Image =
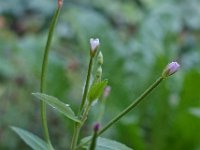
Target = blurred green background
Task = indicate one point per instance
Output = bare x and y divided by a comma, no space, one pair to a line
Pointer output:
138,38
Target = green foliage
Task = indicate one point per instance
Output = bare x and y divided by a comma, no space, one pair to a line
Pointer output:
58,105
30,139
195,111
96,90
137,42
106,144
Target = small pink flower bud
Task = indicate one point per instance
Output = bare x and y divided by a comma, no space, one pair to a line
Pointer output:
60,3
107,91
170,69
94,44
96,127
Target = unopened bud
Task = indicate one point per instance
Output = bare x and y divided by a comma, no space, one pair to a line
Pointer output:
99,73
94,44
60,3
94,137
96,127
100,58
170,69
107,91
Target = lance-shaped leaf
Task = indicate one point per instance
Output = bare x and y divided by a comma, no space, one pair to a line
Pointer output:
105,144
30,139
96,89
58,105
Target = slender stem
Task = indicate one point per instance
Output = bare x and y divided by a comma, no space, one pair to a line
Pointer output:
78,126
86,85
133,105
94,139
85,114
43,76
129,108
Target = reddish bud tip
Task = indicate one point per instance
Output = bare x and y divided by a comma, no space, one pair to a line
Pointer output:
96,127
94,44
60,3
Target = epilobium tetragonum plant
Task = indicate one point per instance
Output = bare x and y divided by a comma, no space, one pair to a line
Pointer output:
94,90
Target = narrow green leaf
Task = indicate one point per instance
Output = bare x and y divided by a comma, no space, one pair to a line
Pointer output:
58,105
106,144
30,139
96,89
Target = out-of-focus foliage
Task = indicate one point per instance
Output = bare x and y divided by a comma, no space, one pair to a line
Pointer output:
138,38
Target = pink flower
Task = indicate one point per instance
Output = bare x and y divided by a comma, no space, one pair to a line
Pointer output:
94,44
170,69
60,3
107,91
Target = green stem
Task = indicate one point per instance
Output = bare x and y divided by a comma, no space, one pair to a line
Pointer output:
78,126
129,108
94,139
85,114
43,76
133,105
86,85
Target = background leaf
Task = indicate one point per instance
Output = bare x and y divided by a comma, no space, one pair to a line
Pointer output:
30,139
107,144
